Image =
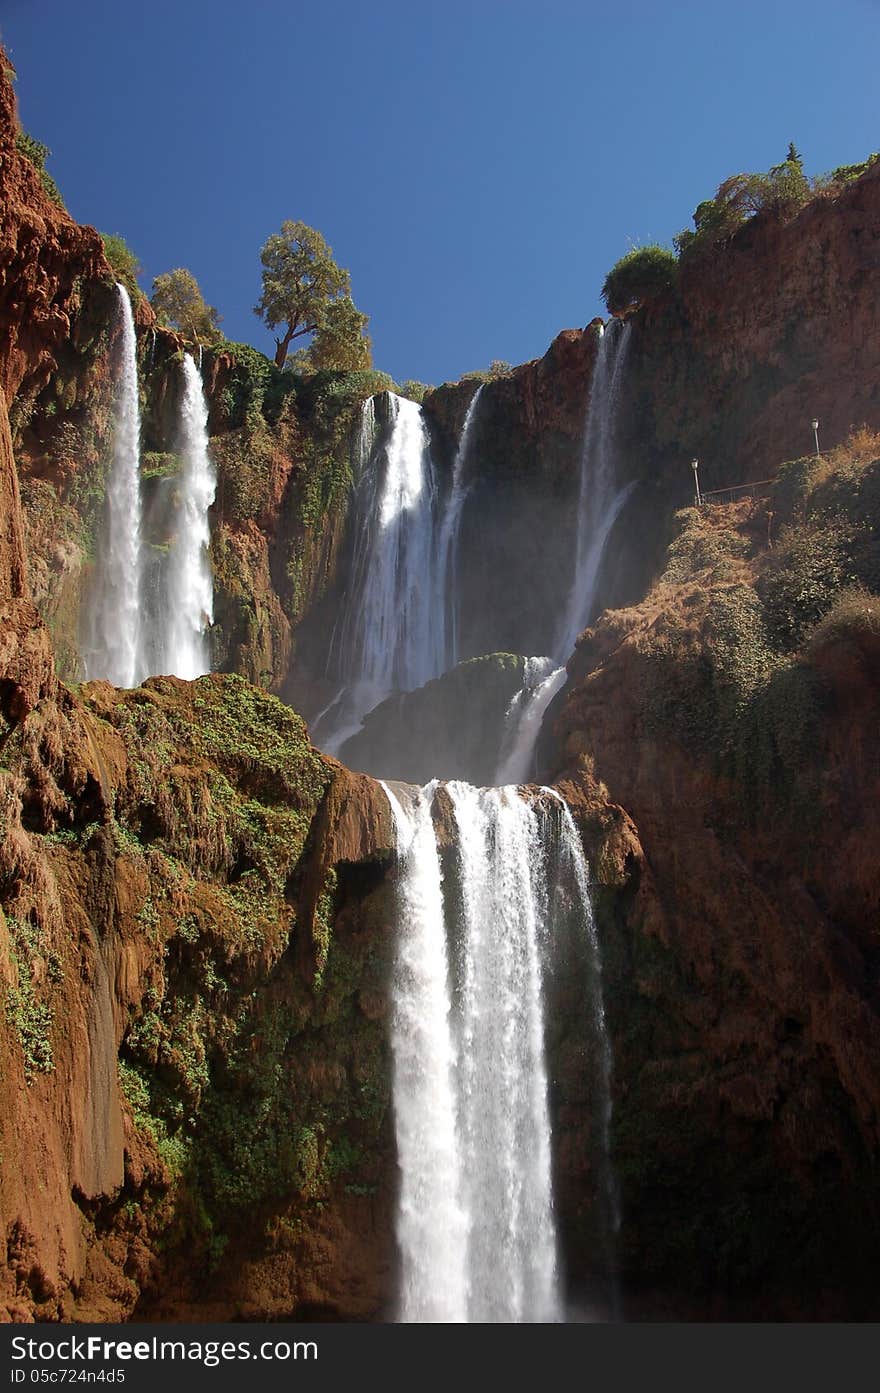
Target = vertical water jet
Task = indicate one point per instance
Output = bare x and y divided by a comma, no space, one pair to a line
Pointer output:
600,498
542,679
113,649
190,589
475,1219
501,1073
575,862
431,1229
447,546
391,633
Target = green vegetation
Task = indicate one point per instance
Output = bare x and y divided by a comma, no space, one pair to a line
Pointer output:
38,153
780,193
496,369
226,1059
731,674
123,263
415,391
846,173
305,292
28,1011
179,303
640,275
854,615
340,342
225,1065
808,570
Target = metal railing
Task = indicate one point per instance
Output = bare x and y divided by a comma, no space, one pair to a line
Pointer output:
733,494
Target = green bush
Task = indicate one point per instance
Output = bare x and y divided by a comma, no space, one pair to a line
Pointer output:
810,567
415,391
123,263
780,193
640,275
38,153
499,367
847,173
246,387
855,614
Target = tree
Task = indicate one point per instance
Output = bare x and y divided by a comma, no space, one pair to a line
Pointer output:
300,283
179,302
641,274
340,341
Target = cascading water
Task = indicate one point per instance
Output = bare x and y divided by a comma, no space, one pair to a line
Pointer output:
190,582
447,547
504,1123
431,1228
391,635
366,438
600,499
542,679
575,863
475,1220
113,650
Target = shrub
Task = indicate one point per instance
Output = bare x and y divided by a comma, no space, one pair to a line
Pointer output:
847,173
780,192
809,569
498,367
415,391
38,153
640,275
855,614
246,388
123,262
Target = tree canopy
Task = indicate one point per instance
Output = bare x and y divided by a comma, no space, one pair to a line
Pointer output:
780,193
305,292
179,303
340,341
641,274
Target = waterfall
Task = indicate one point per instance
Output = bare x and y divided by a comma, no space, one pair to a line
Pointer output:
190,583
575,863
365,438
431,1228
447,547
475,1222
114,647
501,1075
599,500
542,679
391,634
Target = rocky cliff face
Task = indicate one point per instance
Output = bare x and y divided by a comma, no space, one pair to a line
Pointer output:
719,744
195,927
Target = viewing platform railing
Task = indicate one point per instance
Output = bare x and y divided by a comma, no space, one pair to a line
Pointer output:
733,494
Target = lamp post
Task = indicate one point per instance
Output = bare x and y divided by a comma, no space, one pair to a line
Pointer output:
698,498
815,424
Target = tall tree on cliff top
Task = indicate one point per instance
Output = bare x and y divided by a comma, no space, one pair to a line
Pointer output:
302,285
179,302
341,342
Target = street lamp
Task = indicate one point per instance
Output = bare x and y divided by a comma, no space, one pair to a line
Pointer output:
695,466
815,424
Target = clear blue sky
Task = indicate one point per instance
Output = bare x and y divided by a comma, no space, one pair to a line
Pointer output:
477,166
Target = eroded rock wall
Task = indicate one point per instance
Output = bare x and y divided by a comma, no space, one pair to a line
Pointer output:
726,779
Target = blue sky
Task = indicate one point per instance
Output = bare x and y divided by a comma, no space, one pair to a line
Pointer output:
476,166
